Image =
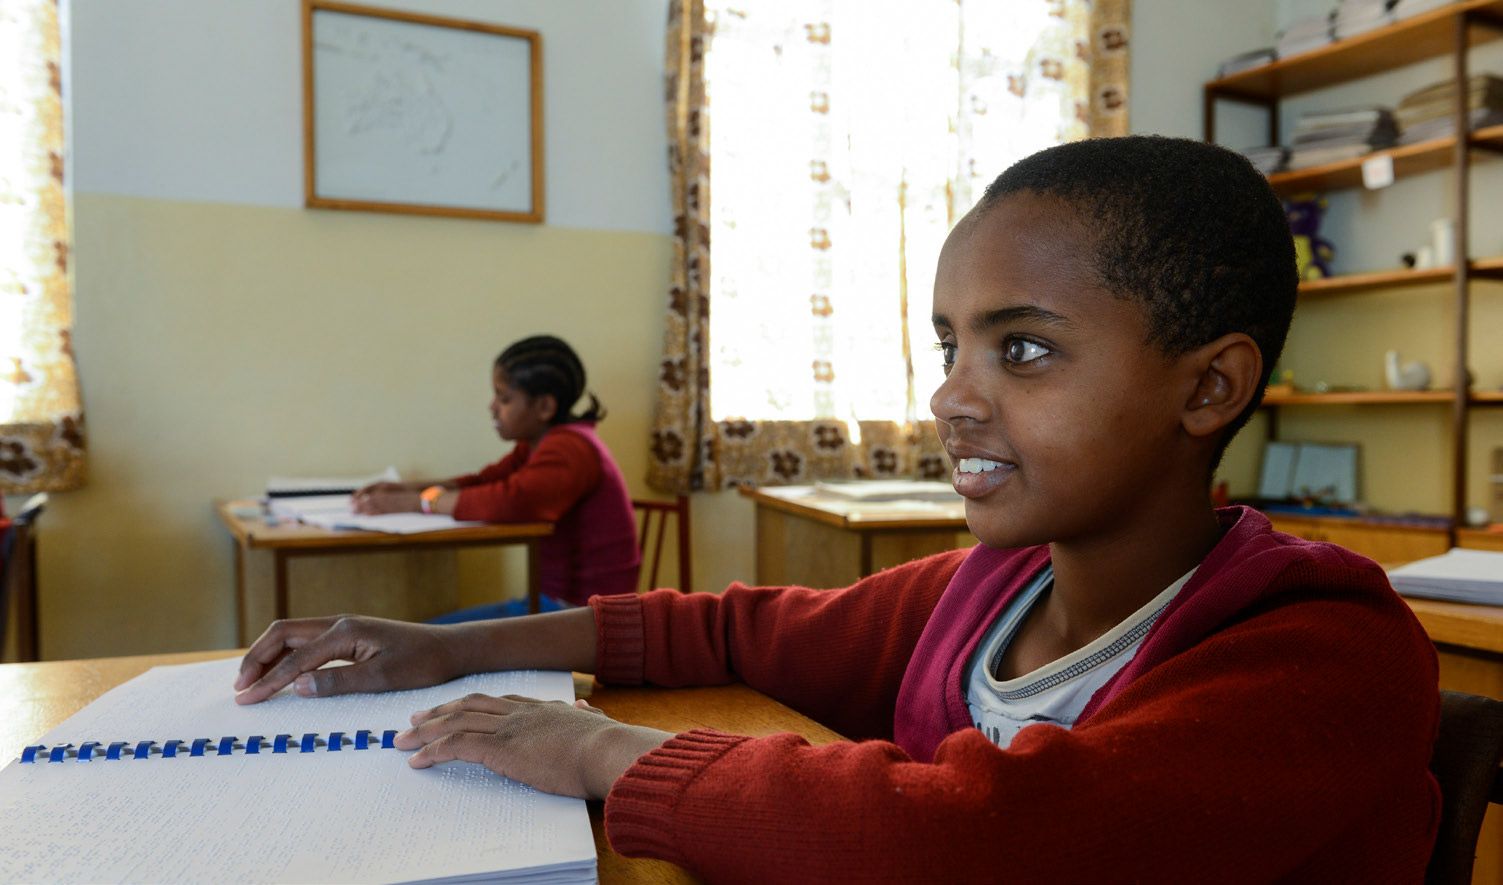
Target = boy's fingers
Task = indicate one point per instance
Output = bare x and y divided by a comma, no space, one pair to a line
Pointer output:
278,639
463,746
440,727
304,657
483,703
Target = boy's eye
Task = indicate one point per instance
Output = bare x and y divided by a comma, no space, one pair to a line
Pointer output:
1021,350
946,352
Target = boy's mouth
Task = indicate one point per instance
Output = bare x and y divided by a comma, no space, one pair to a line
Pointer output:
978,477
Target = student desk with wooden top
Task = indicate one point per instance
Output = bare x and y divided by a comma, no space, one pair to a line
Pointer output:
35,698
288,539
815,539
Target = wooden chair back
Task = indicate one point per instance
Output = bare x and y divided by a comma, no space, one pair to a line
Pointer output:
653,519
18,579
1465,761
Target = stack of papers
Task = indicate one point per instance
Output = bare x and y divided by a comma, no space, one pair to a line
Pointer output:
291,487
890,490
1406,8
1431,112
1323,137
337,512
1267,159
304,815
1245,61
1305,34
1355,17
1459,575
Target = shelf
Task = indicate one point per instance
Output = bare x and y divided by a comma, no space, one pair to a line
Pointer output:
1360,398
1427,35
1408,160
1393,279
1382,398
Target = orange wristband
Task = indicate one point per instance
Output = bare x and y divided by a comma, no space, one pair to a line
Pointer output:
429,497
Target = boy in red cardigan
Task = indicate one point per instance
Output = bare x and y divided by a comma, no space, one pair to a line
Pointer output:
1263,707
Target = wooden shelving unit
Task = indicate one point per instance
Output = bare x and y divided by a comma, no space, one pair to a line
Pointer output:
1448,31
1486,268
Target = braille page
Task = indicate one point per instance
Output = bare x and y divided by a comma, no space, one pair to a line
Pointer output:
297,817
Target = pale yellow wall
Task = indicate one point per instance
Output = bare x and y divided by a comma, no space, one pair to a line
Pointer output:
1405,455
221,344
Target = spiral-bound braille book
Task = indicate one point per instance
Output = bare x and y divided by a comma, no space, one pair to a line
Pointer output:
167,779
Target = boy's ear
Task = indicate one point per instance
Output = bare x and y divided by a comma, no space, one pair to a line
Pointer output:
1229,370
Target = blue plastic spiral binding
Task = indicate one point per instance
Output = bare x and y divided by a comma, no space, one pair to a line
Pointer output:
256,744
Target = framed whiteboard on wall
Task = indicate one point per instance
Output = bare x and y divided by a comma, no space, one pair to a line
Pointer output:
411,113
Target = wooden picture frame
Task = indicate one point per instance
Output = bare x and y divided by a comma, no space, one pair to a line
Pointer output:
421,115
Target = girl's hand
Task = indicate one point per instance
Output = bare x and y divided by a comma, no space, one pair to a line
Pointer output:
375,501
386,654
550,745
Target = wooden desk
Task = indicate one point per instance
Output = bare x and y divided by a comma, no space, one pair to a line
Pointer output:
37,697
288,539
815,539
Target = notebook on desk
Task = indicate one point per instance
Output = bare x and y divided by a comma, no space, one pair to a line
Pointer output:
336,512
1459,575
166,779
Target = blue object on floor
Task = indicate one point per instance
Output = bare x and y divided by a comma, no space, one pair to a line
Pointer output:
512,608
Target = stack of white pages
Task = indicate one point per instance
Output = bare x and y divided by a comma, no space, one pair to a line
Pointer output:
890,490
337,512
166,779
1458,576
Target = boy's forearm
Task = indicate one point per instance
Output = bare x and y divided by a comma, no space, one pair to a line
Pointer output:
555,641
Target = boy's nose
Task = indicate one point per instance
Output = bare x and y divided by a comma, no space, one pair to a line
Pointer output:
956,398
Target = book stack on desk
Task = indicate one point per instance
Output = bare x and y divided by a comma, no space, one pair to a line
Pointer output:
1474,576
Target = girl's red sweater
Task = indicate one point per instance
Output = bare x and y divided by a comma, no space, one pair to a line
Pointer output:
1279,727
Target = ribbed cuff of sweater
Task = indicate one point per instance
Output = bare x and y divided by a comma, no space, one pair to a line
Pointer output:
620,644
640,807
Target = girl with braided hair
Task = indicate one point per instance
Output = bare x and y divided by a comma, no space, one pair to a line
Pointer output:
559,472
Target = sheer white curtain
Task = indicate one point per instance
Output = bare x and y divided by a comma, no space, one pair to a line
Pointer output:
847,138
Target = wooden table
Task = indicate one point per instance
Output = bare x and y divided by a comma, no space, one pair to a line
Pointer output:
815,539
287,539
35,698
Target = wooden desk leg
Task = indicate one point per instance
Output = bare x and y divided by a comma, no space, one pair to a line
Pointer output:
534,581
866,554
240,616
27,645
281,599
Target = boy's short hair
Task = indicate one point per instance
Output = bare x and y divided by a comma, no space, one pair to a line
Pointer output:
1190,230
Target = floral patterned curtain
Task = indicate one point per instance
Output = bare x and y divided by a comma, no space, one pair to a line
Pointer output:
41,420
849,136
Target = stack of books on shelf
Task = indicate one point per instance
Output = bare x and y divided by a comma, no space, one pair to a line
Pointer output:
1266,159
1355,17
1304,34
1431,112
1407,8
1254,58
1323,137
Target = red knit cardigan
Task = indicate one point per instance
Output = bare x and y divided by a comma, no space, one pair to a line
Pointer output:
1285,735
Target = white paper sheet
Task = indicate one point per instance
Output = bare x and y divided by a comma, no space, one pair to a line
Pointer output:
317,817
335,512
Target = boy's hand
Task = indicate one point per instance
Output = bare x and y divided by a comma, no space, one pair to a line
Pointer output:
550,745
386,655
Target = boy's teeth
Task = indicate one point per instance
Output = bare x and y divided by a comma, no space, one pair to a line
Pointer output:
977,465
